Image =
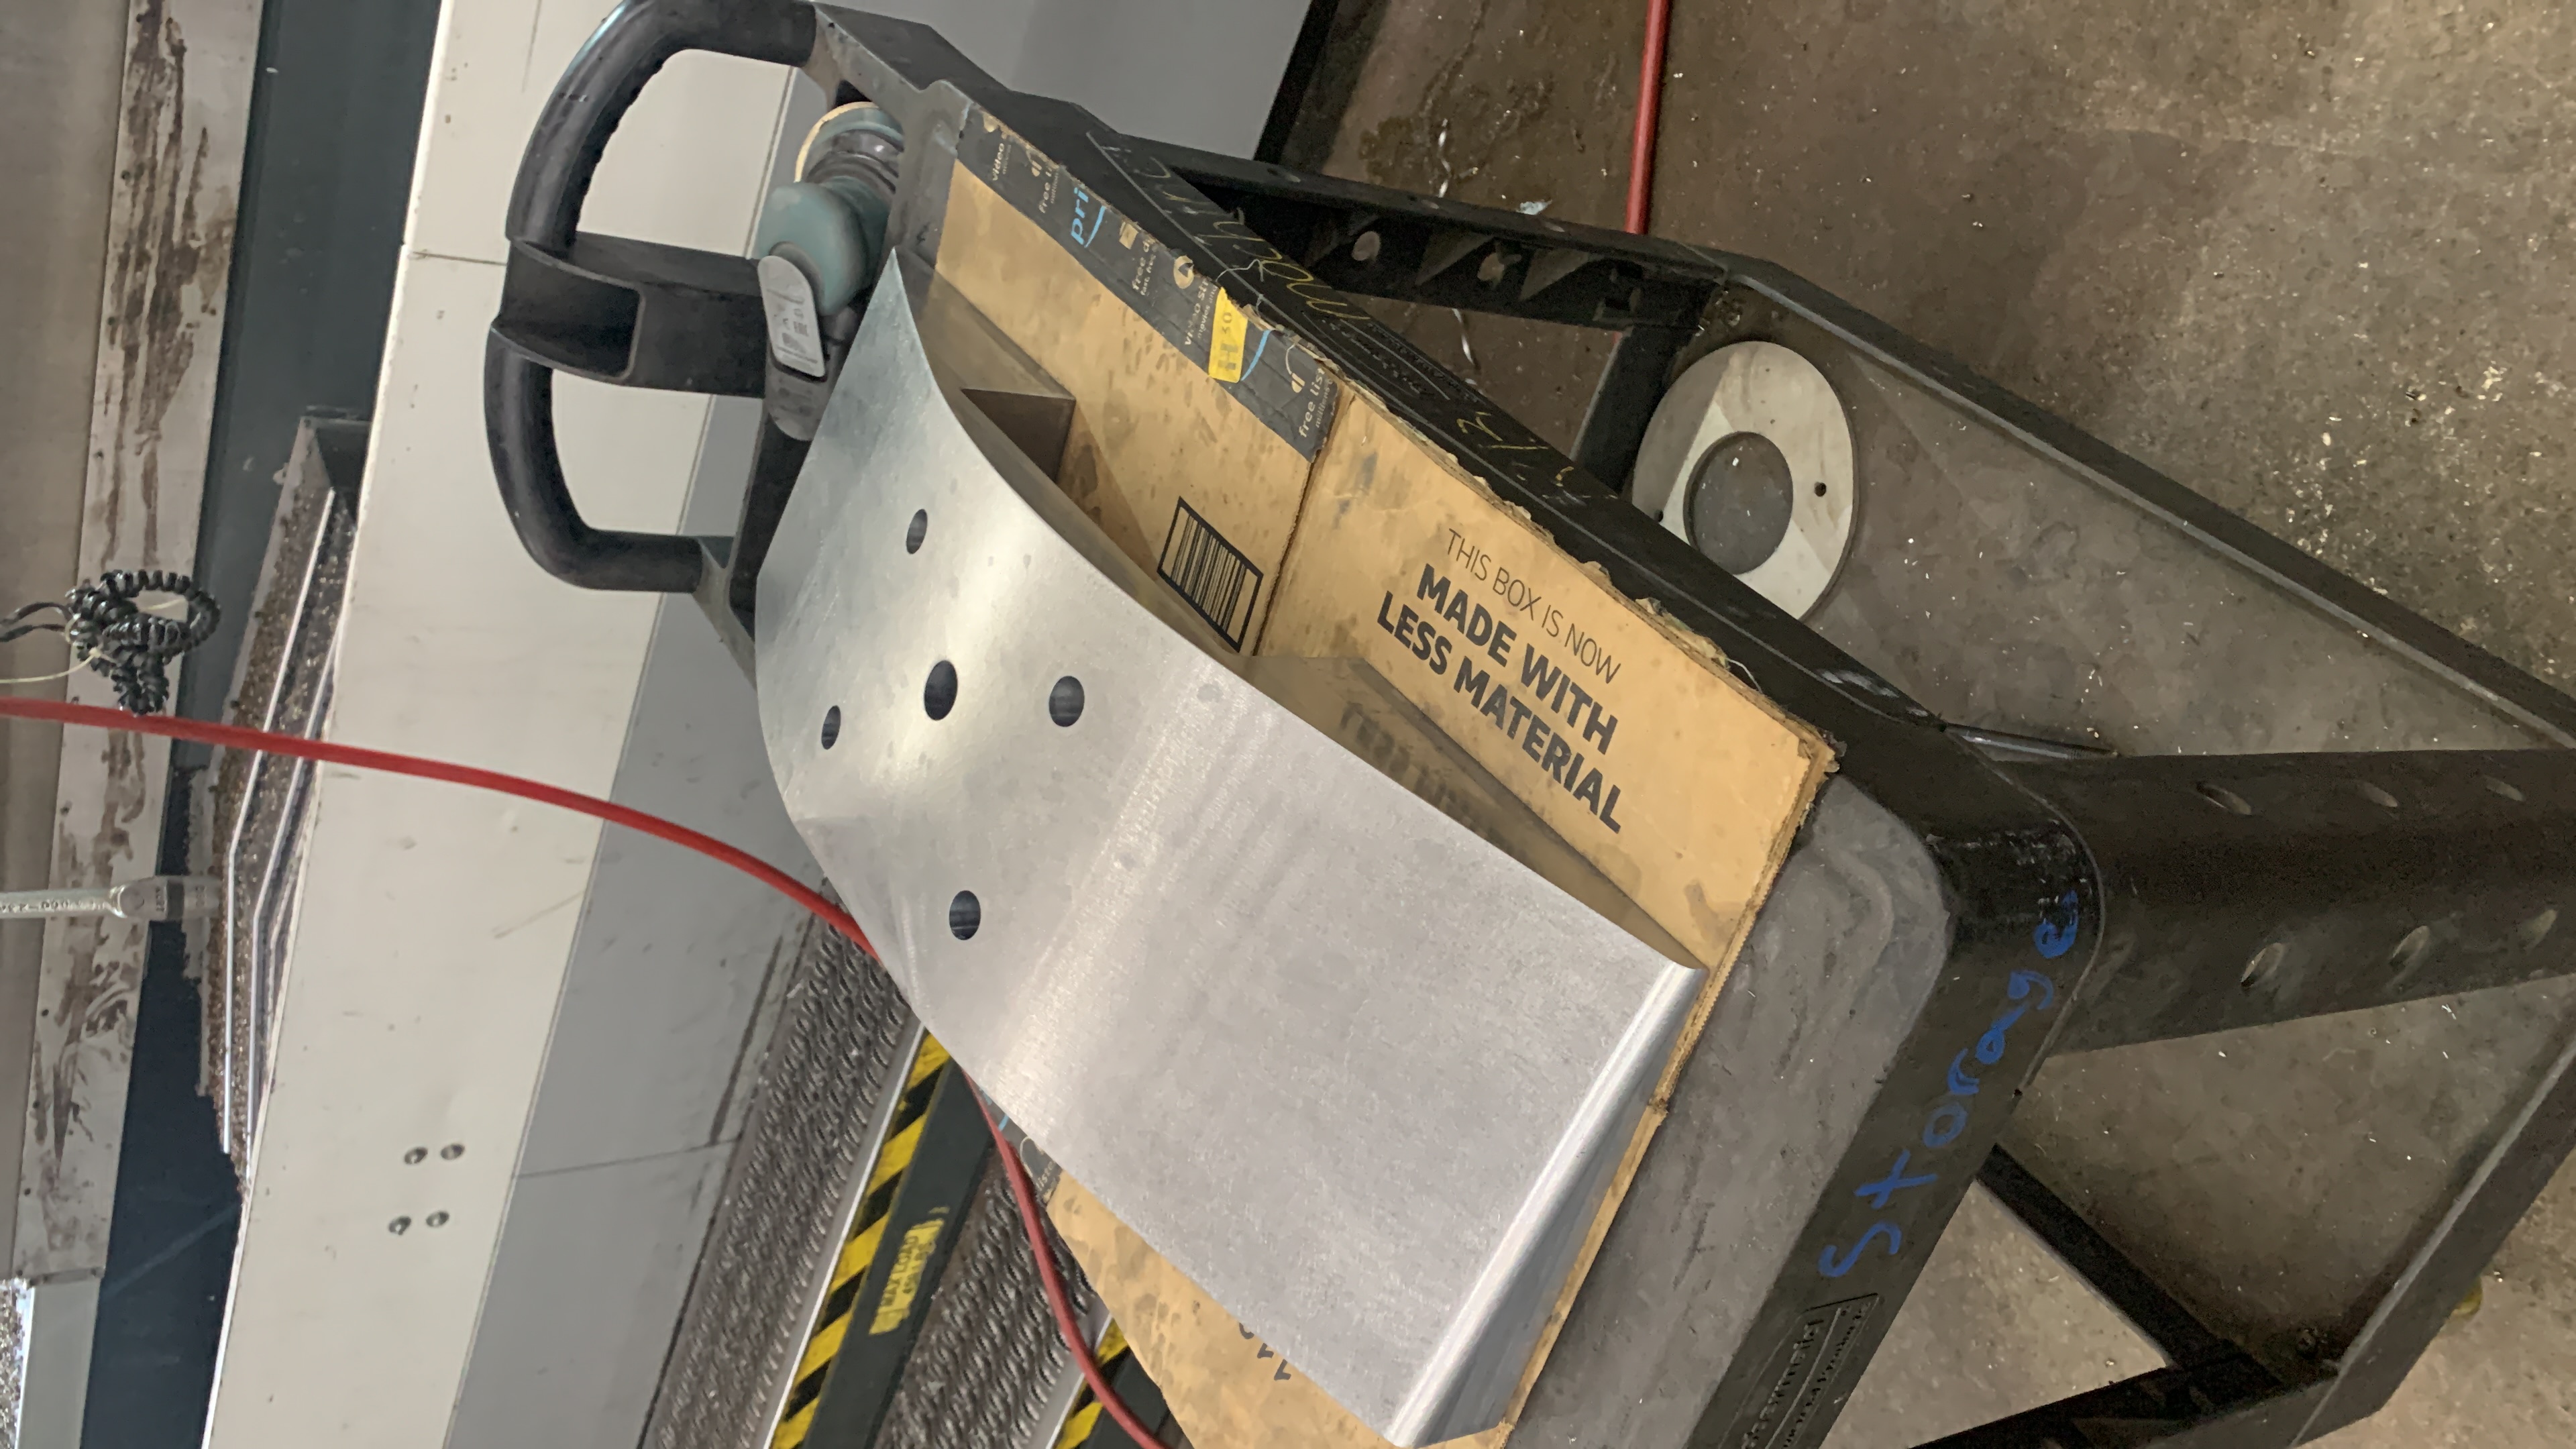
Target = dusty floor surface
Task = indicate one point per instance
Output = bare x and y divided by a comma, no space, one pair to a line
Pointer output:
2315,258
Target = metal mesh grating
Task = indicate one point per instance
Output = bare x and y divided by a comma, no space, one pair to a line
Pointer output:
257,813
780,1213
988,1362
17,1313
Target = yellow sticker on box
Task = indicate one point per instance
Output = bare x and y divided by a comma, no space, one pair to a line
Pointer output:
1225,340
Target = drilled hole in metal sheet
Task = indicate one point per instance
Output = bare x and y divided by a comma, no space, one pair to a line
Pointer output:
451,1152
831,726
436,1220
2410,949
1064,702
939,692
1365,249
2499,787
917,530
1820,490
417,1154
1490,270
2225,799
965,915
2536,930
2375,795
2262,964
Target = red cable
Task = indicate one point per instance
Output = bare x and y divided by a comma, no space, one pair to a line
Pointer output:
237,737
1650,100
1067,1327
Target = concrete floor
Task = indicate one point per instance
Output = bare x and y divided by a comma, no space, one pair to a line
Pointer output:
2315,258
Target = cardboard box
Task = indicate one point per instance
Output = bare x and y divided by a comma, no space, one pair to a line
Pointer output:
1300,517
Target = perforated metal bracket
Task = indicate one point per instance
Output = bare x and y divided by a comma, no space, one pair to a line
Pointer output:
1201,951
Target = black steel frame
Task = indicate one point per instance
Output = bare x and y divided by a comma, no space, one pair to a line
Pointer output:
2093,901
929,1204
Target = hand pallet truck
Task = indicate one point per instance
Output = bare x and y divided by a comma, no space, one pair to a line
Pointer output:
2161,866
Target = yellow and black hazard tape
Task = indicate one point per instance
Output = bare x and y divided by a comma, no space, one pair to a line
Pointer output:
859,1252
1111,1355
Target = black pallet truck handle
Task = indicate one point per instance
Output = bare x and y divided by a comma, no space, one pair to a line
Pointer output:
545,205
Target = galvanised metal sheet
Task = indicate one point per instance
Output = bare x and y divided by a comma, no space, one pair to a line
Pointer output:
1355,1071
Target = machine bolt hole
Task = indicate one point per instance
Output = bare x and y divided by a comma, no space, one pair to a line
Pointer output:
2260,966
416,1155
1064,702
1365,248
2225,799
1820,490
398,1226
1740,500
1490,270
436,1220
831,726
939,693
915,531
451,1152
965,915
2499,787
2375,795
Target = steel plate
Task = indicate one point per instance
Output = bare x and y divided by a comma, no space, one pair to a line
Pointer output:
1357,1072
1766,390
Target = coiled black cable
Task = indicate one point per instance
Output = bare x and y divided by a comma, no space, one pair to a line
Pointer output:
114,637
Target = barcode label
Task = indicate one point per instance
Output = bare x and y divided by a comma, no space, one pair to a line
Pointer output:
1219,582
